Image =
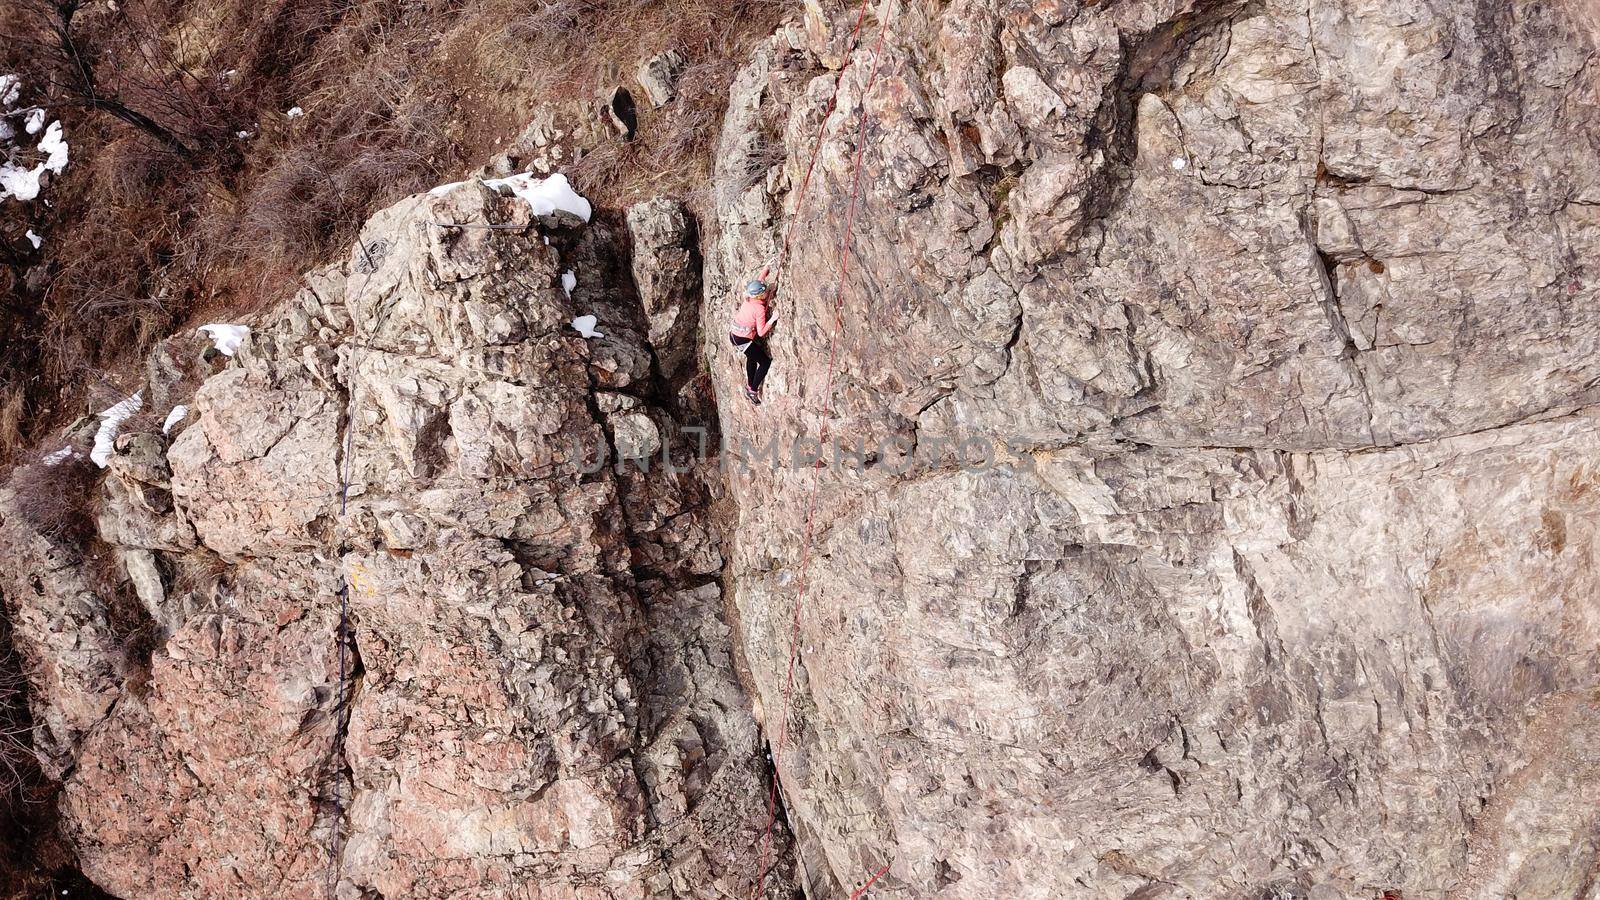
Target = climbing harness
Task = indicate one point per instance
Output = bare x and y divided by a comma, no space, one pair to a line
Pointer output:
827,412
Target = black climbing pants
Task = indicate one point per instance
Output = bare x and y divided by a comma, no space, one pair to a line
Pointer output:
756,359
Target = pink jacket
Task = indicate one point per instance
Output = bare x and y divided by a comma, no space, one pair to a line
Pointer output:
751,319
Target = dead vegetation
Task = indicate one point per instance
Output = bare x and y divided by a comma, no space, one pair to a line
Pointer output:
34,861
18,772
57,500
672,149
196,193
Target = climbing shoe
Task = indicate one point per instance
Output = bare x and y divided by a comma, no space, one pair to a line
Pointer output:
753,394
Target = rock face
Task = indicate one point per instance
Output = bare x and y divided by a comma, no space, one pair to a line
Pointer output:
1191,491
535,696
666,269
1281,322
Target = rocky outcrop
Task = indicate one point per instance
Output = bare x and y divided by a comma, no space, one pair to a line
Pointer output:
666,269
1190,492
417,632
1268,565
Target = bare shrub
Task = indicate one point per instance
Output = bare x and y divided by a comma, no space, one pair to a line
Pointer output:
17,768
150,87
381,140
57,500
19,772
34,860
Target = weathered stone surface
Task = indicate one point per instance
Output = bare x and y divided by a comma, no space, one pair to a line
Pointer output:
666,270
255,473
1245,356
214,781
658,75
138,510
1284,325
63,630
537,680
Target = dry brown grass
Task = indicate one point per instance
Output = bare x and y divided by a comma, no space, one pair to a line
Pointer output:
34,862
13,407
672,149
17,768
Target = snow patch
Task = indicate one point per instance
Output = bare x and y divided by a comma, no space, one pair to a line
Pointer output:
585,326
57,458
568,282
545,196
10,89
35,121
34,239
226,338
56,146
178,414
294,112
1179,162
110,424
24,184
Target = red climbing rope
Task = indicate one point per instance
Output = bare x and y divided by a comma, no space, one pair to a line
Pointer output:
816,146
827,411
860,892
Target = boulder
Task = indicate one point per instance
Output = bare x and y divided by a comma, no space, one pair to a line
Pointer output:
658,75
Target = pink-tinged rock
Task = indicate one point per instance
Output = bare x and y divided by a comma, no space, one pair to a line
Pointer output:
534,708
208,785
1284,585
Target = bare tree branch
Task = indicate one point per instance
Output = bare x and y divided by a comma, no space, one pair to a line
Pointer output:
73,68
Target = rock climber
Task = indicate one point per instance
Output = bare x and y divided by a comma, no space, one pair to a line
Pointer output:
750,327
